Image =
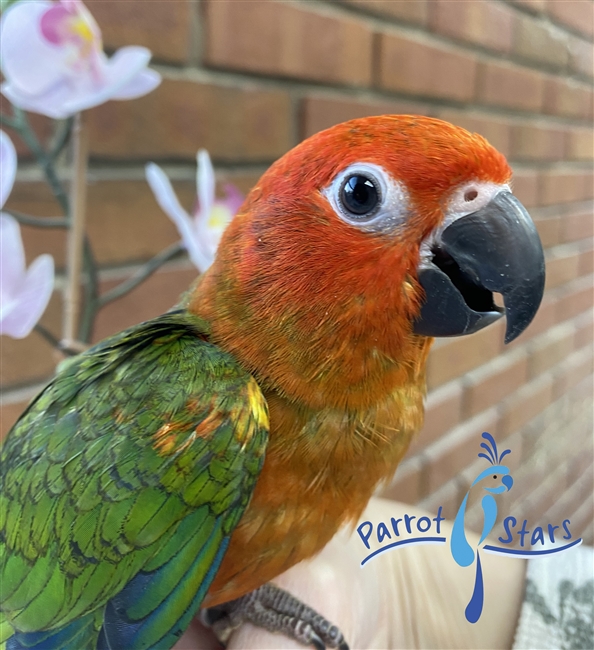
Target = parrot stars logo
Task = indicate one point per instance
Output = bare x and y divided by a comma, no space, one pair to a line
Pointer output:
495,480
462,552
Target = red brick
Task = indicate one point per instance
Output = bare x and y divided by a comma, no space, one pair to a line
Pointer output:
540,42
406,484
584,330
510,86
586,263
442,412
483,23
581,520
413,11
451,358
585,390
537,142
580,144
546,495
563,186
496,131
574,299
155,296
576,14
525,186
581,56
124,221
567,97
32,359
545,318
277,38
533,464
36,199
582,457
551,348
448,496
525,404
572,371
319,113
418,66
237,124
577,226
561,266
589,185
163,27
489,384
549,230
456,451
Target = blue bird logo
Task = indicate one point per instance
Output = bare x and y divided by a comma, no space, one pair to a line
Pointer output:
462,552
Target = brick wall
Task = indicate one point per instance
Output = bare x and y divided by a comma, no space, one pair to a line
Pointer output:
249,79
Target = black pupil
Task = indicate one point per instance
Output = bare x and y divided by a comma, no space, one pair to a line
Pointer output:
359,195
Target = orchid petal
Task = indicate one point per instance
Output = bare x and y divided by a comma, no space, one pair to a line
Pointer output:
30,62
143,83
234,198
53,62
34,295
167,199
23,294
12,256
8,166
51,103
205,182
119,71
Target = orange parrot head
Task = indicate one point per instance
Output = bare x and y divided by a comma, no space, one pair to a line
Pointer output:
368,237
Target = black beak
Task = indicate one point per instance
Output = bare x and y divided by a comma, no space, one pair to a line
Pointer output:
495,249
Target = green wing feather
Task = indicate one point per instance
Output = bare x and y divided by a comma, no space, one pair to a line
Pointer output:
140,456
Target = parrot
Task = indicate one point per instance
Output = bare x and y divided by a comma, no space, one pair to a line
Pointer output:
462,552
176,468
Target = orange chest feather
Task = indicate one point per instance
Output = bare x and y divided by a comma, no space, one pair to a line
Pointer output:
321,468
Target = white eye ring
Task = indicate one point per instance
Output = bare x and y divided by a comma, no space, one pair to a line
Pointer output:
392,199
470,197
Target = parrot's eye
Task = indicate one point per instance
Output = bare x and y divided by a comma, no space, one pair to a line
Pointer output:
359,195
367,197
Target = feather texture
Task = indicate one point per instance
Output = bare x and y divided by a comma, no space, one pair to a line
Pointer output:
121,485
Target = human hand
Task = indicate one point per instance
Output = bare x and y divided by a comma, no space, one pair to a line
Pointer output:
408,597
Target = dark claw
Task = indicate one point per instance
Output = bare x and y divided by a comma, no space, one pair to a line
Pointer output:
316,642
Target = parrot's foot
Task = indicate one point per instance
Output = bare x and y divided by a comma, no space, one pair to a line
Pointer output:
275,610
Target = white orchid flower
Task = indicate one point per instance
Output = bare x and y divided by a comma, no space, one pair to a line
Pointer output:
52,58
201,232
24,293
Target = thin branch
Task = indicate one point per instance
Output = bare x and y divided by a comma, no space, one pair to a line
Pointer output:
76,232
39,222
142,274
8,121
60,346
54,341
91,294
60,138
26,132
